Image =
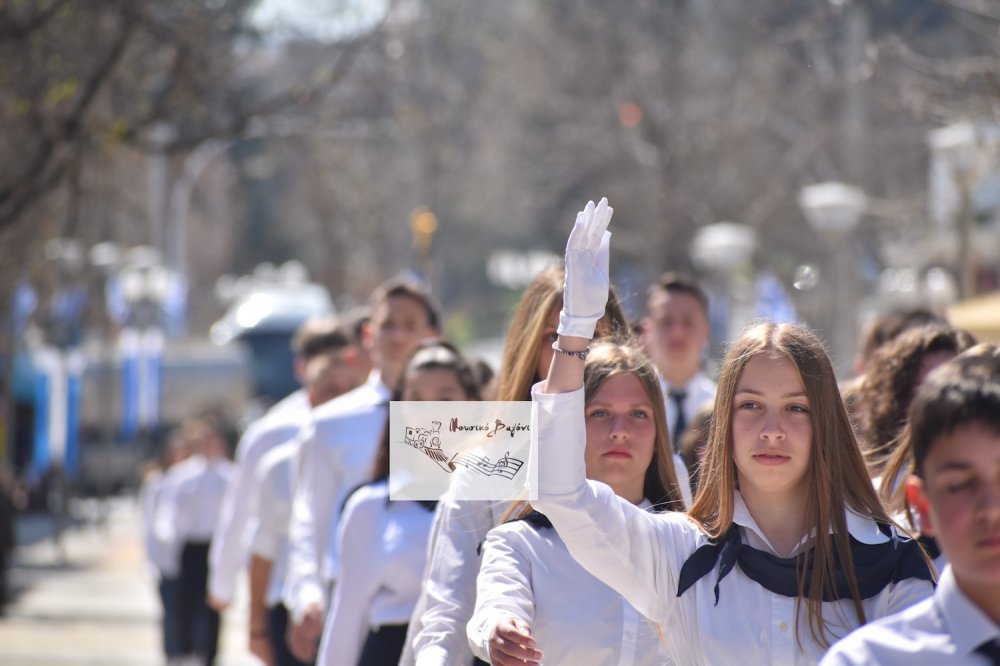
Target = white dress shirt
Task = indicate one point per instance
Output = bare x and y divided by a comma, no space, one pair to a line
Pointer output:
164,558
269,536
336,454
436,635
640,555
297,401
941,631
195,500
528,573
228,553
699,393
382,547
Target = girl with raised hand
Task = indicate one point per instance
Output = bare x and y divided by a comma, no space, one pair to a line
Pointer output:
786,547
528,580
437,629
382,544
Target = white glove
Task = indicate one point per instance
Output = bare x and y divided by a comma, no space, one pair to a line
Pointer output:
585,289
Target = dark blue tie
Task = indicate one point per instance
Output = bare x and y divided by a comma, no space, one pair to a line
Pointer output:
991,650
680,421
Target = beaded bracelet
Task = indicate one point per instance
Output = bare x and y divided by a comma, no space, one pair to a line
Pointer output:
582,355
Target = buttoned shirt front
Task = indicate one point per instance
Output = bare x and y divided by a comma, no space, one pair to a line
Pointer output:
336,454
528,573
944,630
640,555
382,547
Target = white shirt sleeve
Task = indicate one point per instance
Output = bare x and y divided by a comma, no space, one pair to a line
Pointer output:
346,627
449,594
267,535
618,543
227,554
311,507
503,590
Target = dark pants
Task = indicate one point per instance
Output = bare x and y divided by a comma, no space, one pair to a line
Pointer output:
199,624
170,597
277,626
384,645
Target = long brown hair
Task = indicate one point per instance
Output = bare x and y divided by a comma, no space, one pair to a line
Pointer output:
891,382
968,390
608,358
518,367
836,472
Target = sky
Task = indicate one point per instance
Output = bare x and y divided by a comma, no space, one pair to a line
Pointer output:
325,20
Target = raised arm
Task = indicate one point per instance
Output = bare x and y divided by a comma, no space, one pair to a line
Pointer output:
585,295
628,549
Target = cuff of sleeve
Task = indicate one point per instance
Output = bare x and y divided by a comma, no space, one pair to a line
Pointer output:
479,639
581,327
308,595
223,590
264,544
561,438
432,656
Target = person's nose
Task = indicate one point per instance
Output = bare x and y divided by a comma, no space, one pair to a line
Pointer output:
988,505
619,428
771,427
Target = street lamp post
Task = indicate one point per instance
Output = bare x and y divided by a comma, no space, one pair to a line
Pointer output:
958,147
724,249
833,210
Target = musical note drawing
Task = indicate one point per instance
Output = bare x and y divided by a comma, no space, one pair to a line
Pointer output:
506,467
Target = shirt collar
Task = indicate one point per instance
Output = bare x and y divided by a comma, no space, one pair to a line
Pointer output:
863,529
967,624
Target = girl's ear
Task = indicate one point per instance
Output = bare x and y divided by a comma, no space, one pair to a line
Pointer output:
916,497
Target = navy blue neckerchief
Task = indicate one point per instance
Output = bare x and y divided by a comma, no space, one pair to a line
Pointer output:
875,565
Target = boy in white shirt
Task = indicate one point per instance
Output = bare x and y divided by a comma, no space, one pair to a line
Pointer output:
337,451
954,436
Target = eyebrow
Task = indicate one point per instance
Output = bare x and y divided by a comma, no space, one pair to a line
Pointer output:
599,403
793,394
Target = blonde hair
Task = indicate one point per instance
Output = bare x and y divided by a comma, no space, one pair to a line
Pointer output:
836,471
518,367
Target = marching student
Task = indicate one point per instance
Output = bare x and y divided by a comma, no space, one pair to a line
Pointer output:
164,555
186,521
337,452
786,548
381,544
437,629
271,507
675,332
529,582
326,341
954,439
